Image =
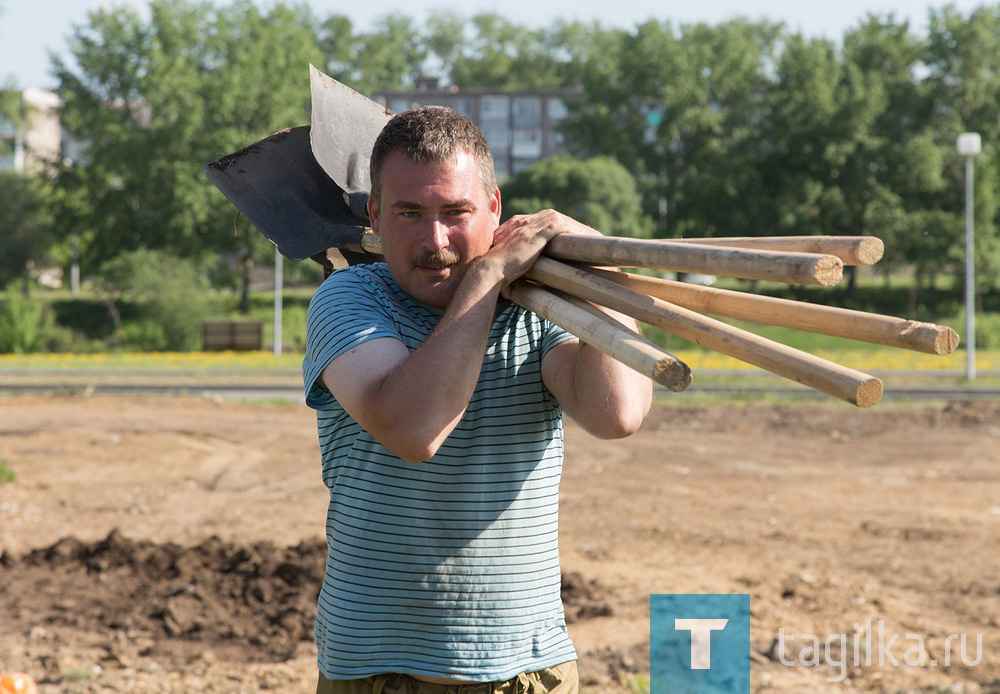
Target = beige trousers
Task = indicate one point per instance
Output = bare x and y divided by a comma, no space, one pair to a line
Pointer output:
561,679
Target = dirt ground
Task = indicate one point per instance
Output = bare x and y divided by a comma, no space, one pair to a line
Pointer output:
175,544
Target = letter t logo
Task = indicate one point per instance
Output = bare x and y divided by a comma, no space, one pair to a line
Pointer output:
701,639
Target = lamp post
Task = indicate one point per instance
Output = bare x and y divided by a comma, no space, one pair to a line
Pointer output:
279,266
968,146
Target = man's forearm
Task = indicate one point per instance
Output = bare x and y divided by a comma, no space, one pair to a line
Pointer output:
421,401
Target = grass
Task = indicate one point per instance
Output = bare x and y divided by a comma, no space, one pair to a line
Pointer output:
739,382
118,362
6,474
872,359
637,684
188,369
78,674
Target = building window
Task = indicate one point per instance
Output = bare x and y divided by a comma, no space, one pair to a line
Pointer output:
7,127
557,141
527,111
495,108
557,109
497,137
527,142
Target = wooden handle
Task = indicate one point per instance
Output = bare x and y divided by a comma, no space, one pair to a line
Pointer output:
847,384
853,250
774,266
603,333
798,315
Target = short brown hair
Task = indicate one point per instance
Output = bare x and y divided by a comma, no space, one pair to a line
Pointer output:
431,135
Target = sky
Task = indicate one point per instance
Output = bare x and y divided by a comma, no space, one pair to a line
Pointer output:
30,29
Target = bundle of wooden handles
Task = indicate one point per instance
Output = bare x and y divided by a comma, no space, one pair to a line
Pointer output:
566,295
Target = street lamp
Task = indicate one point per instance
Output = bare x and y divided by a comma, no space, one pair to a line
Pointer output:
279,266
968,146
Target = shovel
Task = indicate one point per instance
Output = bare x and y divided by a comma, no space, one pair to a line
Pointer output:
345,125
278,185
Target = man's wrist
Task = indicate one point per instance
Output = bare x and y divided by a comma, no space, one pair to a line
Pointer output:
483,271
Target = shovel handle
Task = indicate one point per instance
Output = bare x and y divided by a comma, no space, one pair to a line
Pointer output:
602,332
749,263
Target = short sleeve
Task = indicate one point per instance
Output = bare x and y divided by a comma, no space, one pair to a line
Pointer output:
348,309
553,335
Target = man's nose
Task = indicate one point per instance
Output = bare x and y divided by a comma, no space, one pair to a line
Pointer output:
436,237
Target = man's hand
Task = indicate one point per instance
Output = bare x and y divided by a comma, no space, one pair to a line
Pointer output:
607,398
518,242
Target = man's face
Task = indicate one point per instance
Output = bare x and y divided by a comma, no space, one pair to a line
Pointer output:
433,220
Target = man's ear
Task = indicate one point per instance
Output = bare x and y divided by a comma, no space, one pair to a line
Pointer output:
496,206
373,216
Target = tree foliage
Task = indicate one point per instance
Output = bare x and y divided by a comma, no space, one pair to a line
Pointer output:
156,100
26,228
963,57
679,109
172,292
739,128
745,128
599,192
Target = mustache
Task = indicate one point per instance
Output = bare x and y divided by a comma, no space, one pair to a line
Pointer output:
437,259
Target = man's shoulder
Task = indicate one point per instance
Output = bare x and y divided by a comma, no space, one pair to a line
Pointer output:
371,272
356,279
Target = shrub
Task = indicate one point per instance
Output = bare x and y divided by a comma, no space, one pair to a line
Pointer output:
171,297
24,322
987,329
6,474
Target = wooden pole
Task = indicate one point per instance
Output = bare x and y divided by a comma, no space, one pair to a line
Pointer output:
604,333
847,384
853,250
798,315
774,266
745,263
590,325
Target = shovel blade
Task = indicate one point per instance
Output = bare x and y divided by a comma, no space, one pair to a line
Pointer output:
278,185
345,125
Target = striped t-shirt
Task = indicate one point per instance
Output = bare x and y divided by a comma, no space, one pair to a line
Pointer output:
448,567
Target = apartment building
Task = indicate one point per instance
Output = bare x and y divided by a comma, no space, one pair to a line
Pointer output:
34,142
521,127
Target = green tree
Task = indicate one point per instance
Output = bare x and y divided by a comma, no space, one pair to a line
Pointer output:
10,104
679,109
26,230
155,100
599,192
498,54
171,296
894,183
963,60
820,135
390,56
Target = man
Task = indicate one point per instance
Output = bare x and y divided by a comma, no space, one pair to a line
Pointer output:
439,410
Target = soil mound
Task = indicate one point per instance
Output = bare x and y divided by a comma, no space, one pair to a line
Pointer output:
258,596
